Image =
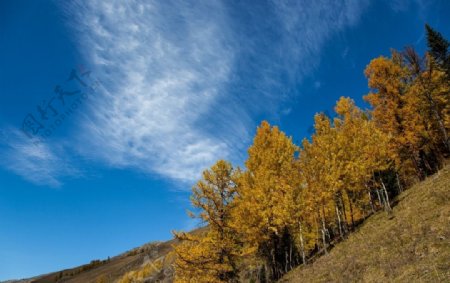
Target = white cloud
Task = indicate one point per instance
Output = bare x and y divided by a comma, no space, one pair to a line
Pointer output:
162,68
307,26
39,163
183,82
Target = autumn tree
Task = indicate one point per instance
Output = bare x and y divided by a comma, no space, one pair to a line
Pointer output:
337,171
265,200
290,203
210,255
410,101
395,113
363,151
317,159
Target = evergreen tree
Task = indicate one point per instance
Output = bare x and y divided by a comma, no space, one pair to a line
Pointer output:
438,48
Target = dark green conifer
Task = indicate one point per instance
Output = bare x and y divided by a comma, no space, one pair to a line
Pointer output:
438,48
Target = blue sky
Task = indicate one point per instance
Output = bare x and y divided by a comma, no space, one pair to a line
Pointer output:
166,88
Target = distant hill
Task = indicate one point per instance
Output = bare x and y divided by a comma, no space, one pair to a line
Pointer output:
411,245
113,269
109,270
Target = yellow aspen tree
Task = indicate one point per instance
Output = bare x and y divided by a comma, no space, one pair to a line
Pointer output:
364,151
304,228
265,202
347,170
211,255
317,160
410,102
389,78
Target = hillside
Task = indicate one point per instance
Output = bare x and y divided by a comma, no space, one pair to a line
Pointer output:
411,246
151,262
109,270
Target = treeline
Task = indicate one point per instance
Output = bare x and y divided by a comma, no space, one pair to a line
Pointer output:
292,203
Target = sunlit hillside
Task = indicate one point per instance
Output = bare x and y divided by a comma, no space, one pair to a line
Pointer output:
412,245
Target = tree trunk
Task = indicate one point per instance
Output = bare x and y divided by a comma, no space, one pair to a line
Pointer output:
351,215
400,190
370,197
371,201
341,199
302,246
417,167
286,260
274,264
351,210
323,232
339,221
290,256
379,198
264,274
387,203
324,241
318,224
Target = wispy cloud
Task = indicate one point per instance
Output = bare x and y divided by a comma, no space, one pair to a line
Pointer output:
180,88
184,84
308,26
39,163
162,66
421,6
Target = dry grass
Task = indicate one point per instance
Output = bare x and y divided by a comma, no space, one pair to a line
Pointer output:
413,246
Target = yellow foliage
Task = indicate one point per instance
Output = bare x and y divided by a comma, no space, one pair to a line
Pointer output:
288,202
265,202
137,276
210,257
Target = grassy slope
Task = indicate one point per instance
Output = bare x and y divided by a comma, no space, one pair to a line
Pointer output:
112,270
413,246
